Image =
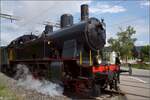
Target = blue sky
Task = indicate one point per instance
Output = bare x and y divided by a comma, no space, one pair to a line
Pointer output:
116,13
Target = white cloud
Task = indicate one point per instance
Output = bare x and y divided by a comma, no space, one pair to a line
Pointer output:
105,8
33,14
140,25
141,43
7,7
7,37
145,3
9,26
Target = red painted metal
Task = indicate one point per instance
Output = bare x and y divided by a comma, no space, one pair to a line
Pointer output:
104,68
113,67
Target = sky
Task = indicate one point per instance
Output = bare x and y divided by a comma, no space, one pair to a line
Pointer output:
32,14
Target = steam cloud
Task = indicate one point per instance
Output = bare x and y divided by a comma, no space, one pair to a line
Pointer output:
42,86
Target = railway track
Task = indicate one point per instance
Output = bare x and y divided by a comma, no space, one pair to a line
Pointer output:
111,95
106,95
115,92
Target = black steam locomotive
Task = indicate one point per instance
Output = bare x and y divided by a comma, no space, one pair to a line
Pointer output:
66,56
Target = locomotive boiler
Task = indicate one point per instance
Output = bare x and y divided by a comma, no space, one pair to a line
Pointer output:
70,56
87,35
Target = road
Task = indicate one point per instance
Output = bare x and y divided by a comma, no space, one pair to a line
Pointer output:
136,86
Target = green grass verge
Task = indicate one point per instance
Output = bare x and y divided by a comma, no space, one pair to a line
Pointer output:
6,94
141,66
138,66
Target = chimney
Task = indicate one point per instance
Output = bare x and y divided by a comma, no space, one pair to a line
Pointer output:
66,20
84,12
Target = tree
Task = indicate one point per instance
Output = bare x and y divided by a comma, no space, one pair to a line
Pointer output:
145,53
115,46
124,43
134,52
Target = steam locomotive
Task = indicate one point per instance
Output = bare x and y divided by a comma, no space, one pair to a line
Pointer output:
71,56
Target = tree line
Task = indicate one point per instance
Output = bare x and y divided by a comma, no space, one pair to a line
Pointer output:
124,44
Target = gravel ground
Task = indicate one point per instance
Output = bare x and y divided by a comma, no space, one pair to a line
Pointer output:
24,94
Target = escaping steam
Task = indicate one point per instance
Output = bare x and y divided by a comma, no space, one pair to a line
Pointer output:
26,80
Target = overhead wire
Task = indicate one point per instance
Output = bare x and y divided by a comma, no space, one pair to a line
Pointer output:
39,14
44,11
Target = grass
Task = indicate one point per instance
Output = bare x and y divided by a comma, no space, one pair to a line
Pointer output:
6,94
139,66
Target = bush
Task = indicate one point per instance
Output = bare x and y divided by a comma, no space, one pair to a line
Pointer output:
141,66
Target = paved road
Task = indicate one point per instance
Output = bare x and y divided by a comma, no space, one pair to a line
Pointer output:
136,86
